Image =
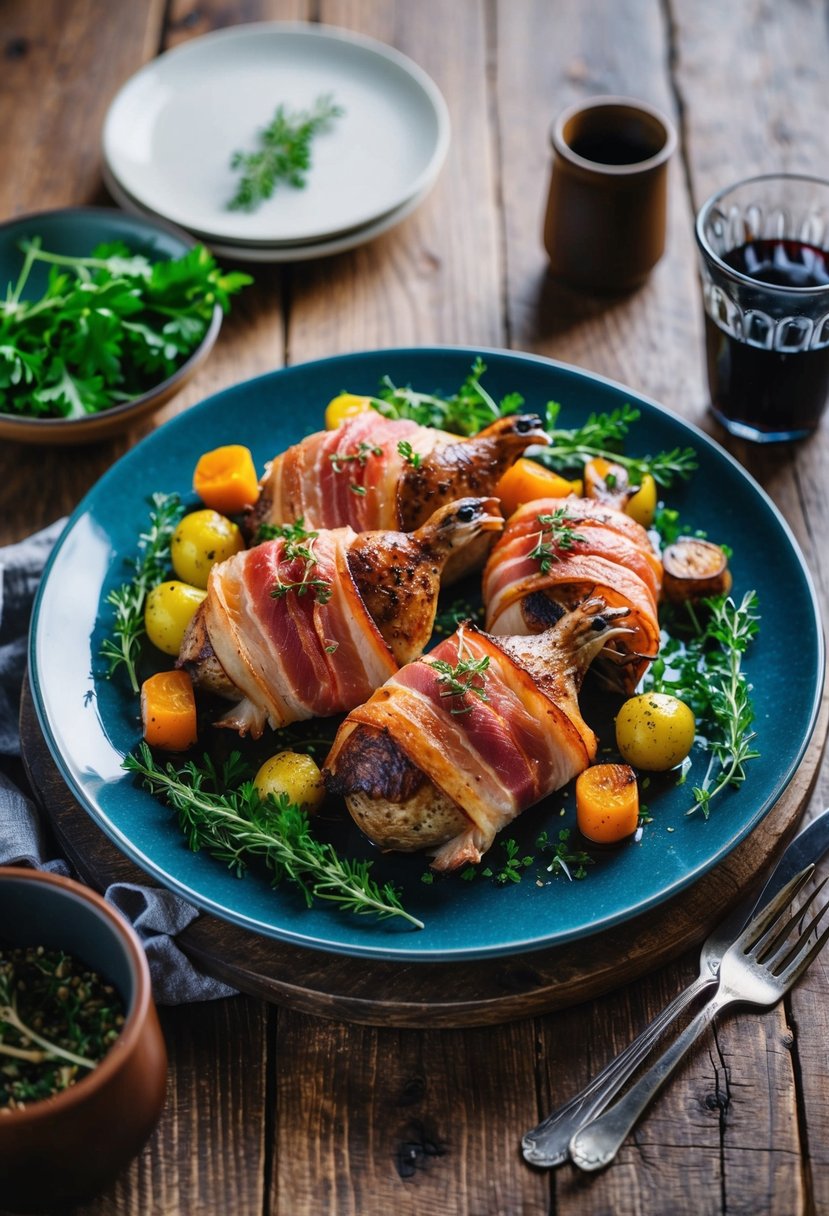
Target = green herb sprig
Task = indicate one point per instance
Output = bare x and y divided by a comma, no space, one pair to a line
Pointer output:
149,569
299,546
705,670
233,824
557,534
106,329
467,677
603,435
464,413
283,155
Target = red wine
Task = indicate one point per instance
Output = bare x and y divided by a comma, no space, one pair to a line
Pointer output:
772,391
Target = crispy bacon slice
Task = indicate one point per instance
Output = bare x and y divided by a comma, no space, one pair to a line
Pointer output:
596,550
458,743
293,636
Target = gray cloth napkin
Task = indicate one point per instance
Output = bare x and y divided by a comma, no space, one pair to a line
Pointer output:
156,915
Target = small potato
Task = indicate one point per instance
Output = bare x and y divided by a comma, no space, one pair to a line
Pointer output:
342,407
295,775
202,539
655,731
168,611
642,507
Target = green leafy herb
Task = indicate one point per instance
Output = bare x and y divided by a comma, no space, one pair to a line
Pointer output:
283,155
149,568
467,677
464,413
235,825
704,669
562,857
58,1019
556,535
603,435
106,329
299,546
341,460
408,453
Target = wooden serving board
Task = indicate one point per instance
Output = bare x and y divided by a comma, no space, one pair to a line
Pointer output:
477,993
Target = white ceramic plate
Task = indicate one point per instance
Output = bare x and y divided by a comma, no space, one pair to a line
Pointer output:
171,130
297,251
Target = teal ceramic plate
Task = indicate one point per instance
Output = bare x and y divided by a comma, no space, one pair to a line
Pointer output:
76,231
91,722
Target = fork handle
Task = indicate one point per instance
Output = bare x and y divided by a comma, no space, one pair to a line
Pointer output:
548,1144
597,1144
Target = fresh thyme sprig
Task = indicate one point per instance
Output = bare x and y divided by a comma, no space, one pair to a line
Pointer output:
410,456
149,569
603,435
299,546
557,534
233,824
284,154
341,460
468,676
705,670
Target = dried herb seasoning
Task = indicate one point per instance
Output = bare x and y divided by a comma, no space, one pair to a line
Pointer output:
58,1019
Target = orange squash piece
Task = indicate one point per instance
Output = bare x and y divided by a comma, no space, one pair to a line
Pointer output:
607,802
526,480
168,711
225,479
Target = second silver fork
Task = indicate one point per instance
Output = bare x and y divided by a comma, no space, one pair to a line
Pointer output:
758,969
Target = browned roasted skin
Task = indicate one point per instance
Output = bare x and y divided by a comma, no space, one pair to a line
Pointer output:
465,466
398,574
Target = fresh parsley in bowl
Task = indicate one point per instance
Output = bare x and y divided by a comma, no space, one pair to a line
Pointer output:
103,318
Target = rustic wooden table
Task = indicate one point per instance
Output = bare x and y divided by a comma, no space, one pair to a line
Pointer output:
273,1110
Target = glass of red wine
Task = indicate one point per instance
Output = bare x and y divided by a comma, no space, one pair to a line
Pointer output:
764,263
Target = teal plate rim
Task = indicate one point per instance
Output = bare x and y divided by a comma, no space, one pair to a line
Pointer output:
89,722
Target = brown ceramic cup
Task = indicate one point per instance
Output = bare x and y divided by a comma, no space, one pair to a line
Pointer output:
69,1147
604,227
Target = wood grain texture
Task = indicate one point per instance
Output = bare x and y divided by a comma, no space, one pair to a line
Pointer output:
272,1110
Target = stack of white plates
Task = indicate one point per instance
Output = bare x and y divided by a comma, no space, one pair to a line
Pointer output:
172,129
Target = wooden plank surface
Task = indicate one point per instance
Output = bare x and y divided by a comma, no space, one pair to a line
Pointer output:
274,1111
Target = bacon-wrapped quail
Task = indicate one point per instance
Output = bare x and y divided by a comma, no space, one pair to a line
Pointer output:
374,472
554,553
461,741
308,627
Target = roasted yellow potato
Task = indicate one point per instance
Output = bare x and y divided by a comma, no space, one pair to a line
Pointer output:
202,539
168,611
295,775
655,731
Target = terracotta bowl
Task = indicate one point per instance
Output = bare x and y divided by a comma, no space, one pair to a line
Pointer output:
72,1146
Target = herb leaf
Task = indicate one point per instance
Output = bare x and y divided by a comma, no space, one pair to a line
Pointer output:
235,824
705,670
107,328
149,569
283,155
556,535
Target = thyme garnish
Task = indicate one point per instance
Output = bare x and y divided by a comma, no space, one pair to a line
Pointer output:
298,545
410,456
232,823
467,676
705,670
341,460
557,534
149,569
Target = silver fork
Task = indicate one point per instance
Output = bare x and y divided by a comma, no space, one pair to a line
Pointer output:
761,965
548,1144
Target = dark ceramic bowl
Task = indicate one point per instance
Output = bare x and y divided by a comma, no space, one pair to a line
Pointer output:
70,1147
76,231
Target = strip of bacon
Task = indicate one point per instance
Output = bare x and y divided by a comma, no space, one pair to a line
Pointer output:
492,757
299,654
